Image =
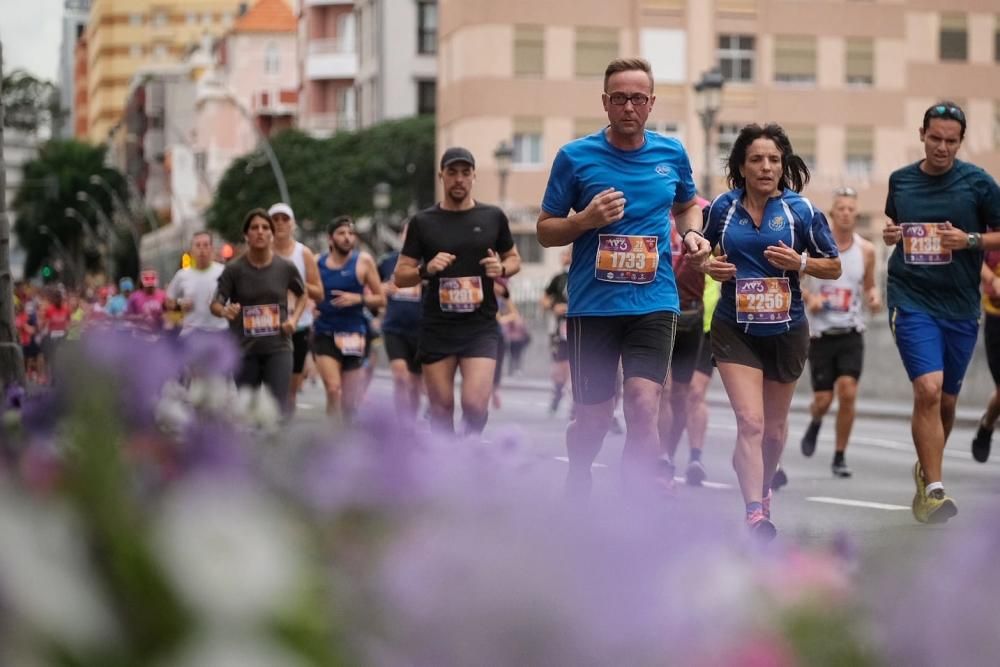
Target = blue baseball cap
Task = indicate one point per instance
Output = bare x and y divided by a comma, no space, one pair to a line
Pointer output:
126,284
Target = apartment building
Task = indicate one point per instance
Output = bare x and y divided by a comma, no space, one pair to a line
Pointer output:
397,66
328,63
848,79
74,23
124,36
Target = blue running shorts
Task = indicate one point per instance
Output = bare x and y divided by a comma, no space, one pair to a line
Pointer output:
928,344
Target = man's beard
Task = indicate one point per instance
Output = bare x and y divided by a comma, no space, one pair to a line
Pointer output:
341,249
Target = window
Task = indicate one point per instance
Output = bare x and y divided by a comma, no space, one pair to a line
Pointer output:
727,137
527,141
528,246
595,48
529,50
584,126
135,19
160,19
272,59
191,18
794,59
666,50
667,129
803,140
135,50
736,57
860,61
427,25
954,37
426,97
160,51
860,152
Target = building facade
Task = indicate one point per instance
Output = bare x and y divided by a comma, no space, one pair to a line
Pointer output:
848,79
124,36
74,23
397,59
328,65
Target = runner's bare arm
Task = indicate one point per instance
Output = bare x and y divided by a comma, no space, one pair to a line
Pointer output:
606,207
407,272
375,298
314,284
511,261
688,218
872,295
784,257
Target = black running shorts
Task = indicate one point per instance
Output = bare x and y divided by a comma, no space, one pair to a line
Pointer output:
324,345
398,346
454,340
835,355
687,346
300,348
782,357
991,337
596,344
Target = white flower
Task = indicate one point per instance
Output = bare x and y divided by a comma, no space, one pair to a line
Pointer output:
234,650
45,578
232,552
173,415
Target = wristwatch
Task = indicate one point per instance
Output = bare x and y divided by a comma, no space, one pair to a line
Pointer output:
975,240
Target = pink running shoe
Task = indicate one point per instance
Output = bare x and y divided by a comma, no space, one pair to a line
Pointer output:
760,526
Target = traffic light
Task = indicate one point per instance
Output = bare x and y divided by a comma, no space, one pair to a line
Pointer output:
226,252
47,272
186,260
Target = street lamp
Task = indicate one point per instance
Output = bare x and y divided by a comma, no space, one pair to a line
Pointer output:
381,200
96,179
708,100
73,214
504,155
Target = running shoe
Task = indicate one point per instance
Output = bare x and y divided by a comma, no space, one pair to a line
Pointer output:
981,443
840,469
665,470
933,507
808,443
780,479
694,474
760,526
766,502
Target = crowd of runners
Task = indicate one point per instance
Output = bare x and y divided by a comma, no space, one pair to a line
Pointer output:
659,288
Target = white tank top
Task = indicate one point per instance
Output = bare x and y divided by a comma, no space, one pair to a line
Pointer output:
843,295
298,259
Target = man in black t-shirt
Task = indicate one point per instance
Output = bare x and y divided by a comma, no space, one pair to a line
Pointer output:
556,299
458,246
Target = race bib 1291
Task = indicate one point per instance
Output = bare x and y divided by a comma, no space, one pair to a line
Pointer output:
460,295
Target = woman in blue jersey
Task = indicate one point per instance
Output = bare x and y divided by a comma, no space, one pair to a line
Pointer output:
340,328
765,234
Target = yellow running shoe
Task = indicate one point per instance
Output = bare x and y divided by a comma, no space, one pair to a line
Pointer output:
935,507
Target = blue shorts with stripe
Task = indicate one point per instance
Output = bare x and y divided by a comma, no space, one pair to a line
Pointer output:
928,344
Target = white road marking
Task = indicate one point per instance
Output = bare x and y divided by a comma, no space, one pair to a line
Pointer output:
566,460
856,503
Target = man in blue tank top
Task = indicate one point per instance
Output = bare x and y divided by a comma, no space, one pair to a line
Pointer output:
340,329
941,211
610,194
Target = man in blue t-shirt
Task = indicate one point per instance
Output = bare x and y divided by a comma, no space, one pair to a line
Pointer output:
611,195
940,212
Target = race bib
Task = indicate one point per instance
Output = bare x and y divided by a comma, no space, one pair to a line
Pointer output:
922,244
763,300
350,343
626,259
460,295
836,299
411,294
262,320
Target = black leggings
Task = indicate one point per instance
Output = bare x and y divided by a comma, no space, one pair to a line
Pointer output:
991,338
273,370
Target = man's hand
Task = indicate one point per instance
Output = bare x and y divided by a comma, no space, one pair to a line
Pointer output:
440,262
953,238
891,233
342,299
697,246
718,268
563,308
874,301
783,257
815,303
288,326
492,264
606,207
231,310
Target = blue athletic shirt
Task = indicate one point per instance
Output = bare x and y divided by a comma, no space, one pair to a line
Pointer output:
968,198
789,217
652,179
332,319
403,309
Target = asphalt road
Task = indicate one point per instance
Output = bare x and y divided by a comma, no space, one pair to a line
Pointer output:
872,507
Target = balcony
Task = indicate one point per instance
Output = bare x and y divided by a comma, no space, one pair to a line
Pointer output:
331,58
328,124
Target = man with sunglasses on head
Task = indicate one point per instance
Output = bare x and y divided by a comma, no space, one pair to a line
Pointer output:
611,195
941,211
837,347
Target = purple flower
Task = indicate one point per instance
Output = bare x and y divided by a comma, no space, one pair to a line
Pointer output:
209,353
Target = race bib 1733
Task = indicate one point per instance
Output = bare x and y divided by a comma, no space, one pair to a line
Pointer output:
626,259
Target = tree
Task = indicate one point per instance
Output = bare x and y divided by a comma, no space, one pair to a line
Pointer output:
11,362
328,177
30,103
51,183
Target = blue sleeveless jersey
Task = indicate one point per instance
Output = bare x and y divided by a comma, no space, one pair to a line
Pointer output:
332,319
